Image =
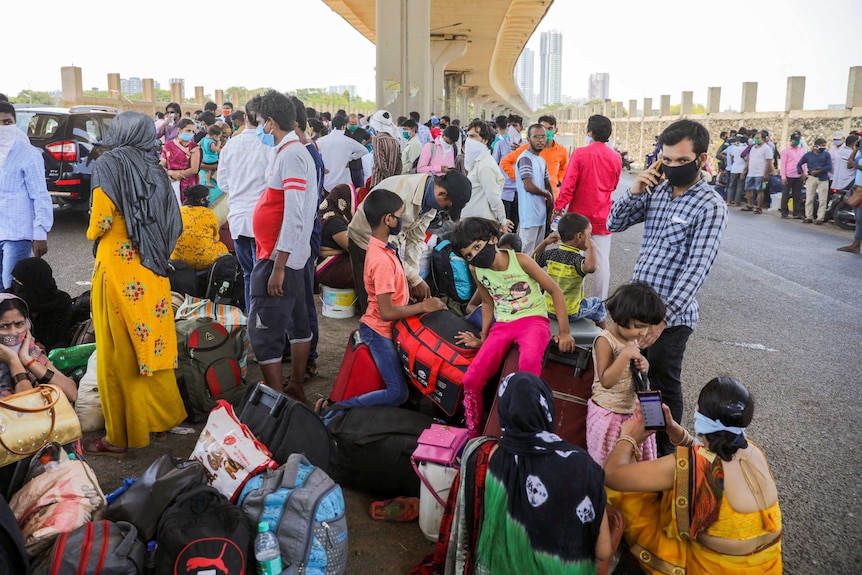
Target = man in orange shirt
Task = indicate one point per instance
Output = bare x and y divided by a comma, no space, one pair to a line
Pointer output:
554,154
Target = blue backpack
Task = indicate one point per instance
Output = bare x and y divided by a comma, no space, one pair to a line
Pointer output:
451,273
305,510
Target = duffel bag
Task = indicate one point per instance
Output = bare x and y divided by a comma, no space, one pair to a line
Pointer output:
435,363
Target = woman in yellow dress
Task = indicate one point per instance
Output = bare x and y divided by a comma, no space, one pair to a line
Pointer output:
199,245
135,222
711,507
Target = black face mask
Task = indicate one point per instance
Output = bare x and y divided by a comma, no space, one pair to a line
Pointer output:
679,176
485,257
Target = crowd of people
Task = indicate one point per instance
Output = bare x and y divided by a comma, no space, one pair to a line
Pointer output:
349,202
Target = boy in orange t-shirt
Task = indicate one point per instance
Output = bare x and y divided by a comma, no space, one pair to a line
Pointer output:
388,301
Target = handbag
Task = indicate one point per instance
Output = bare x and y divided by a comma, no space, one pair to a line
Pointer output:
156,489
229,452
31,419
441,444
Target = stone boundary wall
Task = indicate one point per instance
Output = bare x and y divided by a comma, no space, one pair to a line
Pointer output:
637,135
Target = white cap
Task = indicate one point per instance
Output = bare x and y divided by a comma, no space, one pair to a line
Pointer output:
838,135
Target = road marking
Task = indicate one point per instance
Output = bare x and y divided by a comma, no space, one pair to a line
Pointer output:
84,283
756,346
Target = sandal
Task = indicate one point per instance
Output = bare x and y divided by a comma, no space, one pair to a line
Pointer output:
322,405
99,446
848,249
310,371
398,509
758,211
160,436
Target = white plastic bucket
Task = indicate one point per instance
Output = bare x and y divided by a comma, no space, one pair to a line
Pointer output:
337,303
430,511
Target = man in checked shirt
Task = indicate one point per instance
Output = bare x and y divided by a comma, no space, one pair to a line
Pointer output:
684,219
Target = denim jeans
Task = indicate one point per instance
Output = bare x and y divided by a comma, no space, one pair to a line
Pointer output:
389,365
310,266
246,254
857,237
665,370
12,252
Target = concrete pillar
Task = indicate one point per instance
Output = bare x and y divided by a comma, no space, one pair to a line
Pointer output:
453,87
795,93
219,97
619,112
149,89
633,108
665,105
234,99
607,107
73,85
749,97
443,52
685,106
176,92
713,100
647,107
403,80
854,88
199,96
466,94
114,85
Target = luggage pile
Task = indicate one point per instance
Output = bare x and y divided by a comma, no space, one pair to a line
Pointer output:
196,515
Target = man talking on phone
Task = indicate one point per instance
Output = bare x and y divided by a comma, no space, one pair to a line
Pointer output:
684,219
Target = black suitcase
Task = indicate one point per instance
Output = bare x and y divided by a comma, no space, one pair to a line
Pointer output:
224,282
285,426
373,449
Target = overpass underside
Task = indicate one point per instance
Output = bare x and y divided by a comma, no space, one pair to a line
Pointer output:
442,56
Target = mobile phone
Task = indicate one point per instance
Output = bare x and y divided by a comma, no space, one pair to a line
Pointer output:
651,407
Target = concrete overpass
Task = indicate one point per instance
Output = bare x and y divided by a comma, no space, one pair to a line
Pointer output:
442,55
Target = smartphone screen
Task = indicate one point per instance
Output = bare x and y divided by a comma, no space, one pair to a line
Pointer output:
651,407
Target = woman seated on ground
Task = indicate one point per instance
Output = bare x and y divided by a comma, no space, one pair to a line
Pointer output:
336,211
23,364
544,498
50,309
199,245
709,508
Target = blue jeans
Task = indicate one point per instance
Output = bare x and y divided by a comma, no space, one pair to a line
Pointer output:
312,309
12,252
858,235
246,254
388,363
590,308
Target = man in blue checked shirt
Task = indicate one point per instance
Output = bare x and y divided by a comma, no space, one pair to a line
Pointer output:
684,219
26,205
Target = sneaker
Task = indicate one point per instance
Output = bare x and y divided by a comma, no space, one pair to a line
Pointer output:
807,221
818,222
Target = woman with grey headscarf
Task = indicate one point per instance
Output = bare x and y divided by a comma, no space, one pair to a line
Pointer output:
135,222
387,148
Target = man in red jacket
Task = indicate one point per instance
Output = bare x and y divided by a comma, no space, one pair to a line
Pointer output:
591,178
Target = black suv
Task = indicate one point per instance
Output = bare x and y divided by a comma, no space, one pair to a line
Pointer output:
71,139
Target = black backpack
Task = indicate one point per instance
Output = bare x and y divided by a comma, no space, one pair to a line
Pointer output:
224,282
184,279
204,532
451,273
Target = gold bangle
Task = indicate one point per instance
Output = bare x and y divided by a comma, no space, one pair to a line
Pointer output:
686,440
630,440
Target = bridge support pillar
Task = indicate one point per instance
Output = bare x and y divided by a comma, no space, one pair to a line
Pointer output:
403,78
443,51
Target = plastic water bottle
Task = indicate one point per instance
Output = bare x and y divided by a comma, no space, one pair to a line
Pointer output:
71,357
555,223
266,551
150,561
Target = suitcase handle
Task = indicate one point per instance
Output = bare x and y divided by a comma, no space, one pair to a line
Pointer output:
278,406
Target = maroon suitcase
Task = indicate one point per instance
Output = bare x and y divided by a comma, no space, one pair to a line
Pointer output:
358,373
571,392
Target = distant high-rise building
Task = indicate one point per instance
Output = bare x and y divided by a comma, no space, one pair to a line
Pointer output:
131,86
524,76
552,68
599,86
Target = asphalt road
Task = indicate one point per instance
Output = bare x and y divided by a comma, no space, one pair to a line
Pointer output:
780,312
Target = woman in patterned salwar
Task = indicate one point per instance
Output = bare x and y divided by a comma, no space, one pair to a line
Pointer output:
709,508
135,221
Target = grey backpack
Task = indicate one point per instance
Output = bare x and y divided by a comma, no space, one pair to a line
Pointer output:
305,510
100,548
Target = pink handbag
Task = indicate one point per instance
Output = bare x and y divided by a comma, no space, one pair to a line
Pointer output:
441,444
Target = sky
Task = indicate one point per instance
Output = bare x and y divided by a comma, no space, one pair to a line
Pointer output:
649,49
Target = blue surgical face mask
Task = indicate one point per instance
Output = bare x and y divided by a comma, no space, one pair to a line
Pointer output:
187,137
406,134
265,139
397,229
429,200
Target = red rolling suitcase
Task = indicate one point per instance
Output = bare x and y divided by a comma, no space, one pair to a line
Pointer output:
571,392
358,374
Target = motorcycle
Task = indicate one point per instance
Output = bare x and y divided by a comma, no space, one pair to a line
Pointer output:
627,163
839,211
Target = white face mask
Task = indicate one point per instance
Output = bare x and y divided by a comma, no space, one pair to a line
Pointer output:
447,147
473,150
514,134
7,138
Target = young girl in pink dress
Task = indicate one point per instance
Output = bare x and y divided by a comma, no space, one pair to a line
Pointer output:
634,308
